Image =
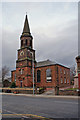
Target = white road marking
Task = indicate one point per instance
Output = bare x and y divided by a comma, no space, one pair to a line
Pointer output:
66,102
9,111
14,113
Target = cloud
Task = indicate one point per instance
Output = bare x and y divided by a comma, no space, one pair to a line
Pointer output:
62,48
10,44
53,26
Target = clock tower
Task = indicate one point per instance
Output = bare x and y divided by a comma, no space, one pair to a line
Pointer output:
26,58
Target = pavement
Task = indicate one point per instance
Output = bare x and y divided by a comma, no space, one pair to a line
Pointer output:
41,95
40,119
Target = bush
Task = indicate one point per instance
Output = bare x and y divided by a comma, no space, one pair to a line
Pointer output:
41,90
8,91
13,85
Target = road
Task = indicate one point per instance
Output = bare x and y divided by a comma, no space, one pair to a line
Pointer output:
46,107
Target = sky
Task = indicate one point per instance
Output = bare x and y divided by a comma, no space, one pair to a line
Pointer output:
53,25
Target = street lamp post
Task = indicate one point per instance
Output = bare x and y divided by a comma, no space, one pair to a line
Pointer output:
33,70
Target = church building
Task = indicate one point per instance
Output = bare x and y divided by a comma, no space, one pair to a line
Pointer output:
46,73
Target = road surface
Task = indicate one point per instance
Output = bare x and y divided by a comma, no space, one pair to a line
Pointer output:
45,107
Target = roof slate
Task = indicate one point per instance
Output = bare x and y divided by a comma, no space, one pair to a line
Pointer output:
45,63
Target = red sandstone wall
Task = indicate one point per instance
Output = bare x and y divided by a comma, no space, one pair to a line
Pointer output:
79,79
12,75
44,83
63,75
26,77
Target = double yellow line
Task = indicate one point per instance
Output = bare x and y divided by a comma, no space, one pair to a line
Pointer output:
27,115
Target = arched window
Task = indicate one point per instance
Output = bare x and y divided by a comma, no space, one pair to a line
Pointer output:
21,43
21,71
38,75
15,77
65,80
61,70
61,80
48,75
30,43
64,72
28,53
26,42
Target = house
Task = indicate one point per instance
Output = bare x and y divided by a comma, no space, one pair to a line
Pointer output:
78,67
76,80
0,82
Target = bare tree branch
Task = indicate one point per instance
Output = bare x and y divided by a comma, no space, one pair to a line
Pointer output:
72,73
5,72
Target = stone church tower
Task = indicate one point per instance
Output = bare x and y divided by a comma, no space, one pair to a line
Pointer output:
46,74
26,57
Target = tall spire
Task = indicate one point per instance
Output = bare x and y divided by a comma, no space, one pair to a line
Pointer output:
26,29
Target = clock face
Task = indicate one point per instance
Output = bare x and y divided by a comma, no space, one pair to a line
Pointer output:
21,53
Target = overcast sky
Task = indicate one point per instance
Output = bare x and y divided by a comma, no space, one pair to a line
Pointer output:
54,27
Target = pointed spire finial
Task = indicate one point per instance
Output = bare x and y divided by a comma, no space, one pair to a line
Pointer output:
26,26
26,29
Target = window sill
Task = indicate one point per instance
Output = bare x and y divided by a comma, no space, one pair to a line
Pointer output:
49,81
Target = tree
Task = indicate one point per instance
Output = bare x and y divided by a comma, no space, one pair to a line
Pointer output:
0,73
5,72
13,85
72,73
